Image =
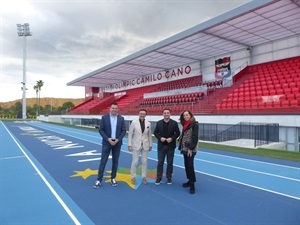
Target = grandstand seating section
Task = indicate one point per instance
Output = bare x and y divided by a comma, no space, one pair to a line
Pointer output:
272,87
91,105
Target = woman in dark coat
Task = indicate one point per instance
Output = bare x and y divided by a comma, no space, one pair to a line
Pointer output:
188,146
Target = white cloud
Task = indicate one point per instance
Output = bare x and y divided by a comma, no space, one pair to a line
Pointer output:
72,38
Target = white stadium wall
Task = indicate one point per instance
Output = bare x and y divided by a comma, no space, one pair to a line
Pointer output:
280,49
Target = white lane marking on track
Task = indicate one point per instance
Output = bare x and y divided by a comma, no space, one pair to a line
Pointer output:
13,157
251,160
80,138
254,171
253,186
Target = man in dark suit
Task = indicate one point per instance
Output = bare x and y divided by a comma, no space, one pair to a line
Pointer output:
112,129
166,132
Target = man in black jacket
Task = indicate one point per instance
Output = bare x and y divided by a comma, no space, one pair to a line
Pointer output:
166,132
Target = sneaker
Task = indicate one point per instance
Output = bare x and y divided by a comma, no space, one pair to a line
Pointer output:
114,182
97,184
169,181
145,180
133,181
157,182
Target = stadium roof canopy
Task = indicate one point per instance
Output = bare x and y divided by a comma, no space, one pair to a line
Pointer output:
254,23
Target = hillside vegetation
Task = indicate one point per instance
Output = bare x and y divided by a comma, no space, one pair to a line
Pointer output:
55,102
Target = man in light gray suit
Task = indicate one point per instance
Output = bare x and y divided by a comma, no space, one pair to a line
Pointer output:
139,143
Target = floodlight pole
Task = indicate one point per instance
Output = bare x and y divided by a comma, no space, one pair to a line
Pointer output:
23,31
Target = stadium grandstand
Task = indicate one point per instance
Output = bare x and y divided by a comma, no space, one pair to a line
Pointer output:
242,66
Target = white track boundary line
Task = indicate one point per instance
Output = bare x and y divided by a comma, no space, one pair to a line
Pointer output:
253,186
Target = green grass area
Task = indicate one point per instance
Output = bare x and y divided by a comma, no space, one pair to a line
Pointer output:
270,153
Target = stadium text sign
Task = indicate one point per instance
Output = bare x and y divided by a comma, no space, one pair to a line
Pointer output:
167,75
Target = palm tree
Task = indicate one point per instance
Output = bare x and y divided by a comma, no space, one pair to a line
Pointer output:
37,88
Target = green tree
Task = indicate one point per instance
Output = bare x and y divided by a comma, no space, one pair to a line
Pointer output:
31,111
36,88
18,109
47,109
12,111
67,105
18,106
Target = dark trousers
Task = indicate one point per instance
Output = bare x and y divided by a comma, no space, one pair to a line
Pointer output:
164,151
189,167
115,152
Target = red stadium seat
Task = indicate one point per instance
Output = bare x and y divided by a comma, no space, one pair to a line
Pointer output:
266,92
229,106
295,90
269,104
287,91
223,106
292,85
247,105
235,100
279,91
277,104
261,105
254,105
290,96
259,93
285,103
235,95
294,103
284,85
297,79
235,105
254,98
247,99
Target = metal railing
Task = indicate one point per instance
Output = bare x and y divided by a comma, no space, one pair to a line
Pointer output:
260,133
